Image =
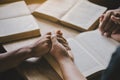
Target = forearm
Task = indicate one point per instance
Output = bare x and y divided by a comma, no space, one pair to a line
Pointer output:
69,70
12,59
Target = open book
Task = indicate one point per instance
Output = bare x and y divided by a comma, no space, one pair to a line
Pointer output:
16,22
18,28
34,4
78,14
91,51
13,9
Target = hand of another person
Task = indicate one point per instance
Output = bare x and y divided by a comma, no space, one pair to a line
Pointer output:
116,36
110,24
60,49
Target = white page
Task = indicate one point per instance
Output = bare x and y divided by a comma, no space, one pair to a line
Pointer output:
84,14
14,9
56,8
97,45
84,61
15,27
34,4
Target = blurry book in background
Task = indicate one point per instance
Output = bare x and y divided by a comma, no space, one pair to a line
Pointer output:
81,15
14,9
18,28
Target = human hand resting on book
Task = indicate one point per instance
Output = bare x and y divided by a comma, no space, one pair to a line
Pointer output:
110,24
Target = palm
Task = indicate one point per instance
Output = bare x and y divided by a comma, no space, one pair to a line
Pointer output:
116,36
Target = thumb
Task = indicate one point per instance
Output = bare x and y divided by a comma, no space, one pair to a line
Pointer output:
101,18
53,39
71,55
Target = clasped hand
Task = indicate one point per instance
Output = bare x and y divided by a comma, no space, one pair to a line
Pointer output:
55,44
110,24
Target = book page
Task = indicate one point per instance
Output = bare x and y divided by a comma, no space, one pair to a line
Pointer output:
85,62
84,14
98,46
14,9
34,4
19,27
55,8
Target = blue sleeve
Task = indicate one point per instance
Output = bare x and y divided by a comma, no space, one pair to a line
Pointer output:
113,70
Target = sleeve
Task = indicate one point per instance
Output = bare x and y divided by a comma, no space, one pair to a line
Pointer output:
113,70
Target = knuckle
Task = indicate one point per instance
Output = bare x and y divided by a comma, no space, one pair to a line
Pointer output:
116,13
48,36
109,11
46,45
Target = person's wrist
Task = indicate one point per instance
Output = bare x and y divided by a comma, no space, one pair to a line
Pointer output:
27,52
64,60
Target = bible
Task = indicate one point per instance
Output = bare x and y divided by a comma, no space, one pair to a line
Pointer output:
17,28
81,15
14,9
91,51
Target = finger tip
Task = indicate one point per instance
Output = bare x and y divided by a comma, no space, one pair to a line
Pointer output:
59,32
49,33
100,30
106,34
